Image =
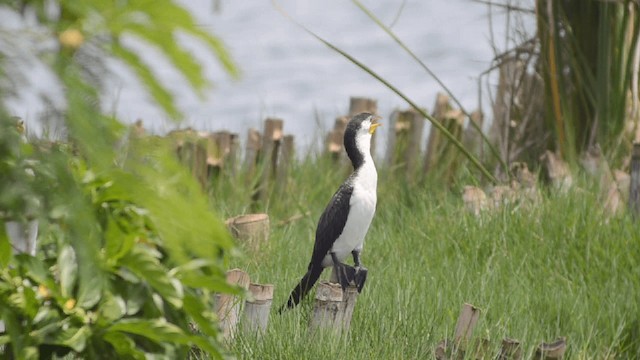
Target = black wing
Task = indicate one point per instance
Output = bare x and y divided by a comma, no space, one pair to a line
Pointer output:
331,223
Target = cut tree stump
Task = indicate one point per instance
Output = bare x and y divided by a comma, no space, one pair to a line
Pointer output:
405,135
271,141
510,350
250,229
363,104
257,308
286,157
252,151
228,306
467,320
328,310
553,350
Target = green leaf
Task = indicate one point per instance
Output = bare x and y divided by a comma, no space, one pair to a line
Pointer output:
142,262
68,268
36,270
63,333
123,344
158,330
76,338
113,307
117,242
5,247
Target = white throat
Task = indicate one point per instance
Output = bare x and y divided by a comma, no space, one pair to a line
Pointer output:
367,175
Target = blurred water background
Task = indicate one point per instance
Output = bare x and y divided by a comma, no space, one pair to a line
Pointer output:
288,74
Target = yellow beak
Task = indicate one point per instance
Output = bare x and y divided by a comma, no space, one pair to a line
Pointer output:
374,124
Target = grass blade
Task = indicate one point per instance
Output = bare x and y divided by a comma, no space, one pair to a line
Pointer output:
370,71
375,19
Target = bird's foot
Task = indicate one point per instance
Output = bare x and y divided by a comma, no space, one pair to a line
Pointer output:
360,276
344,274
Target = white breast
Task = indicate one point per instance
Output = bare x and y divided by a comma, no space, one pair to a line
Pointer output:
361,211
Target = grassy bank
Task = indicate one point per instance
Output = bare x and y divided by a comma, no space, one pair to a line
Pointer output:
537,273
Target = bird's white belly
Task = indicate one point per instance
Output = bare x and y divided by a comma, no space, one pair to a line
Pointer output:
362,209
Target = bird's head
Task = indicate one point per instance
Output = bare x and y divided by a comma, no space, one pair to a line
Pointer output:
357,136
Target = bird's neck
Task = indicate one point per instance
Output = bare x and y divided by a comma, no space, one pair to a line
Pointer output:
364,169
359,151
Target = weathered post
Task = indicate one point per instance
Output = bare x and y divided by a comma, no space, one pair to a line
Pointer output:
335,138
271,140
218,150
467,320
191,148
471,137
403,147
286,157
257,308
510,350
551,351
228,306
441,153
250,229
252,152
349,298
634,183
328,309
362,104
556,171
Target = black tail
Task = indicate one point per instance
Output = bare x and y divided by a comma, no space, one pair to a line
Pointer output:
302,289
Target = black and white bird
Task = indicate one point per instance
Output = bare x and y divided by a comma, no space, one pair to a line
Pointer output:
345,221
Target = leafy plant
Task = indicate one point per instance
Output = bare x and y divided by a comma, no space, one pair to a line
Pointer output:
131,254
586,59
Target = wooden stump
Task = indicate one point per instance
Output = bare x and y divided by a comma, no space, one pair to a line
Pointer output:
286,157
191,149
220,152
556,171
510,350
228,307
467,320
328,309
257,308
252,151
440,153
362,104
349,298
403,146
271,141
471,137
551,351
443,350
475,200
335,138
250,229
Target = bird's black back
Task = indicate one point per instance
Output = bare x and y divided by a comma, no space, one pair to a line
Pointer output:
332,222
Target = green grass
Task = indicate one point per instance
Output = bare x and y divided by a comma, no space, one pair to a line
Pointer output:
558,269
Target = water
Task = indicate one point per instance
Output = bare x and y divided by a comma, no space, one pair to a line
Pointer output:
288,74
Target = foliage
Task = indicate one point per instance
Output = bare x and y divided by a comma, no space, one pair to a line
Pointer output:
124,277
586,59
131,253
570,84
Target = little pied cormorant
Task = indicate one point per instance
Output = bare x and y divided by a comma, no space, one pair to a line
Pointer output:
345,221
